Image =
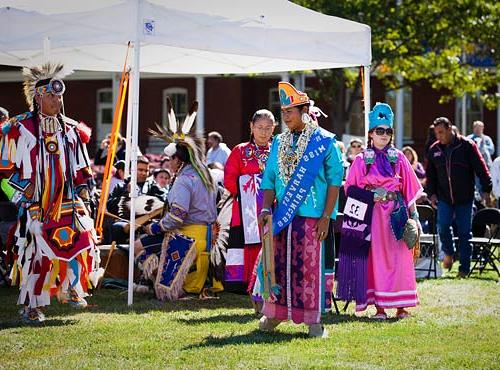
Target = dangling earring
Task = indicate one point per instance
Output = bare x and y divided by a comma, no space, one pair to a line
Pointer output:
306,118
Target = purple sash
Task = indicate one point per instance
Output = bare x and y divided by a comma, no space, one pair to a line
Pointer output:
354,245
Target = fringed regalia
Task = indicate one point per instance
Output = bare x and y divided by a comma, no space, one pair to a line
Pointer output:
242,177
46,160
55,234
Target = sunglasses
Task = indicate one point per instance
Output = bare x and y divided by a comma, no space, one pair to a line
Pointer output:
381,131
356,146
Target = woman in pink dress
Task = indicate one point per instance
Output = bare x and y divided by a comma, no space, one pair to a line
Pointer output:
386,171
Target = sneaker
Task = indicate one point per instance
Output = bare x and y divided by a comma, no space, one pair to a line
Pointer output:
33,316
268,324
317,331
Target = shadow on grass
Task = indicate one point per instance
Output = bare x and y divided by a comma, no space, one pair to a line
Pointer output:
242,319
254,337
115,301
334,319
17,323
109,302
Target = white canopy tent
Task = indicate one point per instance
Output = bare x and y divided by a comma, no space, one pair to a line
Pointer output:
181,37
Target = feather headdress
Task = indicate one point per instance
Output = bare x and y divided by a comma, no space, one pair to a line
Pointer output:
177,134
34,74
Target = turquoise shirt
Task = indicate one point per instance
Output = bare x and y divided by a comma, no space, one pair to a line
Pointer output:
330,173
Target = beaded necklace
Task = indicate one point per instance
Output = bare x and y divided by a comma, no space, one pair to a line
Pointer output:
260,153
289,153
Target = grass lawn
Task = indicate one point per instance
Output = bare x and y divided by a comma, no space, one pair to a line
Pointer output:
456,326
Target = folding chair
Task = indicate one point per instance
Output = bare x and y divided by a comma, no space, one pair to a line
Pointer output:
485,240
428,240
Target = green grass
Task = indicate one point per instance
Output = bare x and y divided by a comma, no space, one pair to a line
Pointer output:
455,326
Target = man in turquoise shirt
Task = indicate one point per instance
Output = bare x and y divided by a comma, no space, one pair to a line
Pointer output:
303,173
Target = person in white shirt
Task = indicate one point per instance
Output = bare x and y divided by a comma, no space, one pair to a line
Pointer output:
483,142
219,151
495,179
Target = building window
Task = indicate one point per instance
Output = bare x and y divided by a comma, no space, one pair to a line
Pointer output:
104,113
179,98
473,110
390,98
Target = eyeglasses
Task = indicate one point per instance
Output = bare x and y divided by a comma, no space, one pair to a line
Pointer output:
264,129
381,131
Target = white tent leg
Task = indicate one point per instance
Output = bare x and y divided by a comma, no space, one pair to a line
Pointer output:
133,172
366,94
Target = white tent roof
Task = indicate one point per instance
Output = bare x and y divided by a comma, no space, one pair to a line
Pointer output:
181,36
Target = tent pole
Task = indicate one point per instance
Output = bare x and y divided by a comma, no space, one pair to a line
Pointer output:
136,70
366,100
133,171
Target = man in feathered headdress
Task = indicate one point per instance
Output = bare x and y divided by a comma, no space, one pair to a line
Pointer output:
191,208
45,158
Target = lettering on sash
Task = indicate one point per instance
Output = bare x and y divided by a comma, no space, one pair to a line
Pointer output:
355,209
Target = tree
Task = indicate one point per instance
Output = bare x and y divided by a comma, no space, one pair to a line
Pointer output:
438,41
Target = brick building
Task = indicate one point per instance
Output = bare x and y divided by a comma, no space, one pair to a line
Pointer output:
229,102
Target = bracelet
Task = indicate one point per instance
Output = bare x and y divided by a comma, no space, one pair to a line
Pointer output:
268,210
326,215
155,228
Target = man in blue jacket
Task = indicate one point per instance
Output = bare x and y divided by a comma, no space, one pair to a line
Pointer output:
453,163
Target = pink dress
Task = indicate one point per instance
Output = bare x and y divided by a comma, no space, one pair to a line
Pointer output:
391,274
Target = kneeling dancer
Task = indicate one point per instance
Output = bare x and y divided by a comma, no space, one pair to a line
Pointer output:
190,211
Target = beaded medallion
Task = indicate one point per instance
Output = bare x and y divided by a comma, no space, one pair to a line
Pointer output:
289,154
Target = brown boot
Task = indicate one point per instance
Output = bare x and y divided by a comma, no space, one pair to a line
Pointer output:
448,262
